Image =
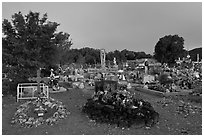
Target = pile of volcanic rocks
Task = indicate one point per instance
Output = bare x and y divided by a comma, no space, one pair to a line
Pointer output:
120,108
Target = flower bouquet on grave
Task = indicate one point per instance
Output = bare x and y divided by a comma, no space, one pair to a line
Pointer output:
157,87
40,111
54,84
120,108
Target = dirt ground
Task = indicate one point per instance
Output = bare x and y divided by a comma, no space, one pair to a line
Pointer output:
77,123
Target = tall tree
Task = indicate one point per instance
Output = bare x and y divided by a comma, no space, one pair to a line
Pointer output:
169,48
194,52
63,43
29,43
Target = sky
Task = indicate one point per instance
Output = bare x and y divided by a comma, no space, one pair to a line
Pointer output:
113,26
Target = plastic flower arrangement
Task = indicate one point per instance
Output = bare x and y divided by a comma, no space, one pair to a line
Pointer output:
40,111
120,108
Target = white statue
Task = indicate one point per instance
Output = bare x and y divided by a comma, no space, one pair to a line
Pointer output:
146,66
52,75
129,86
114,61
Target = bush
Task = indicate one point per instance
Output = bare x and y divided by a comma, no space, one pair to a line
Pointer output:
5,87
165,79
9,87
155,71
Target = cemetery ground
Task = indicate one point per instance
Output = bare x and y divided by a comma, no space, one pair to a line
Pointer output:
172,120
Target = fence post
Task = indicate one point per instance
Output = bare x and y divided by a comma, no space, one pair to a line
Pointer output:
17,92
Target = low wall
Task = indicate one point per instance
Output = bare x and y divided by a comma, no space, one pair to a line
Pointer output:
183,92
162,94
149,91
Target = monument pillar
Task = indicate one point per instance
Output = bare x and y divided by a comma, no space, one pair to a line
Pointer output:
146,64
197,57
103,59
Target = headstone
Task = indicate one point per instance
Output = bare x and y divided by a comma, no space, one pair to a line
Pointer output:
38,79
146,64
126,64
123,77
148,78
129,86
81,85
197,57
104,84
61,89
65,79
75,84
145,86
76,71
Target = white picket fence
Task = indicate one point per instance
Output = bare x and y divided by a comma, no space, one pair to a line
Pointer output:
30,89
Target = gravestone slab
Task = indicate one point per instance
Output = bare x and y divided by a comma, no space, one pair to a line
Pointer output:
62,89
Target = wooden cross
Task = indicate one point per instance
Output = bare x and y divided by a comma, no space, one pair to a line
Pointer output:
38,79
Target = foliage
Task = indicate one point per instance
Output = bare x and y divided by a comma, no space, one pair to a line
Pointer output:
193,53
165,79
157,87
169,48
29,43
27,113
63,45
91,56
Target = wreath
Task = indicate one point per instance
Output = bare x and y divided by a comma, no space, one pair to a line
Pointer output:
40,111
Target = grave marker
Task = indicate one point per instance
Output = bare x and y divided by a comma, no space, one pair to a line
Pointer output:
32,87
38,79
103,59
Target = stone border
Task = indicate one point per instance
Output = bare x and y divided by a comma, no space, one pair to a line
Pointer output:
149,91
62,89
183,92
162,94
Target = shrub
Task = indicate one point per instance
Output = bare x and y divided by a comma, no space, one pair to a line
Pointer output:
165,79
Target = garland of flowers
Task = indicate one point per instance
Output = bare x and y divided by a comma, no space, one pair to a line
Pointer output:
27,113
121,108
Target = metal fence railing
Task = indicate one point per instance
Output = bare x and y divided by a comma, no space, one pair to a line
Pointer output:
29,91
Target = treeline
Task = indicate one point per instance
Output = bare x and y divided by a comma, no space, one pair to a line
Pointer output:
193,53
92,56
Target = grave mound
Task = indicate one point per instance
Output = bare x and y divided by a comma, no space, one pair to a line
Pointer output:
120,108
40,111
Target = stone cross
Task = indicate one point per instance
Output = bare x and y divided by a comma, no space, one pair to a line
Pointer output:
38,79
